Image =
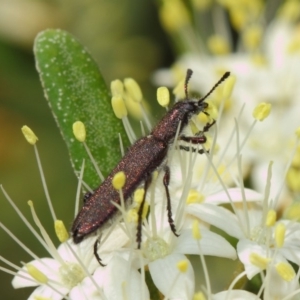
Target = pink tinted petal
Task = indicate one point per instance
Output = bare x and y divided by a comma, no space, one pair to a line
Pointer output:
169,280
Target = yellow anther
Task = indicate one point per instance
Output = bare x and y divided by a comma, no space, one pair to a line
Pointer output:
280,234
298,132
132,216
133,89
119,107
119,180
61,231
259,261
163,96
202,4
36,274
173,15
117,88
228,86
139,195
194,197
79,131
199,296
29,135
293,212
178,91
196,230
218,45
294,45
285,271
252,37
238,17
290,10
271,218
292,179
262,111
183,265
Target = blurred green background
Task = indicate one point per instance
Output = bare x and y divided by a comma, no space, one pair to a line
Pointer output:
125,38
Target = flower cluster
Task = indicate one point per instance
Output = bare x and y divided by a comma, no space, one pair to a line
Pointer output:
258,41
213,213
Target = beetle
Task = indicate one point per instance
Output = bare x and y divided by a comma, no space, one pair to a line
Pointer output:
145,156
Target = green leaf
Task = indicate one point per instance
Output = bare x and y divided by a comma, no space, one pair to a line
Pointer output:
76,91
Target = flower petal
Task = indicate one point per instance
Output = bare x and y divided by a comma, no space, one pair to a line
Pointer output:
218,216
169,280
47,266
123,281
210,243
235,295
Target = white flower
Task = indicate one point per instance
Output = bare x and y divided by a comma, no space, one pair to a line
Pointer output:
265,60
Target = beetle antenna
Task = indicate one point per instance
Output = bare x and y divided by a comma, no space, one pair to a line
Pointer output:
225,76
188,76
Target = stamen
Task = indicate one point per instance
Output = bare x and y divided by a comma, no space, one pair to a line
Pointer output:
297,132
134,92
32,139
119,107
197,236
163,96
218,45
286,271
194,197
290,11
121,145
252,37
133,89
36,274
196,231
80,134
119,180
51,247
259,261
280,230
199,296
182,266
262,111
29,135
117,88
61,231
29,226
79,131
78,194
173,15
271,218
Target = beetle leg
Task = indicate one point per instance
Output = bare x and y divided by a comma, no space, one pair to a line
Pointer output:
166,181
185,148
96,245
